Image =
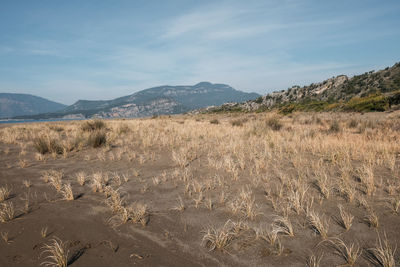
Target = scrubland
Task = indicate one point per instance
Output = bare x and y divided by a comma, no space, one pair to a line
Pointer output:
308,189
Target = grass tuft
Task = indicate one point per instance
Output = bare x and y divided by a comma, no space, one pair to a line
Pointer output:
57,252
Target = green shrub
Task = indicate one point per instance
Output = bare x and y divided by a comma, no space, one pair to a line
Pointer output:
373,102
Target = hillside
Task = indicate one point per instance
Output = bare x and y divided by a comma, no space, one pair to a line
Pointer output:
12,105
371,91
155,101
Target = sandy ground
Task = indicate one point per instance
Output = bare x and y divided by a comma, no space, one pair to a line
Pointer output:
170,237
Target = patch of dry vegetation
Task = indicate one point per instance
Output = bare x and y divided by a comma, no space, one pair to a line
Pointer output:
264,180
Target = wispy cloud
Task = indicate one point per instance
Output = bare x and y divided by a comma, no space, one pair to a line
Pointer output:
254,46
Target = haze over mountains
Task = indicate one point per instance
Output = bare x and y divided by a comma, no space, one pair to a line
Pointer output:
374,91
152,101
12,105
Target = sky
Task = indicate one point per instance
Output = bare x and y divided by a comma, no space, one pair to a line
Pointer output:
70,50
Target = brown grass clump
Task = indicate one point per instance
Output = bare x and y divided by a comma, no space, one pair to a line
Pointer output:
46,144
5,193
218,238
5,237
81,178
335,127
57,252
318,223
314,261
7,212
274,123
238,122
180,206
55,180
27,183
214,121
136,213
67,193
44,232
93,125
382,254
372,219
97,139
346,219
349,253
283,225
99,182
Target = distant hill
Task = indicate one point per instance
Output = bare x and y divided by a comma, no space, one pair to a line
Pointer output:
12,105
371,91
154,101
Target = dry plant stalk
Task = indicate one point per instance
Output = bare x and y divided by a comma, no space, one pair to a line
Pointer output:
382,254
57,252
5,193
67,192
282,225
180,206
218,238
349,253
318,223
346,219
7,212
44,232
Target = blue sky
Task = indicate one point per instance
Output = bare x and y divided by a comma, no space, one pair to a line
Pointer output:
70,50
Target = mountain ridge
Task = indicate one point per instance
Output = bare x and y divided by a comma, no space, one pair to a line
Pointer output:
371,91
158,100
12,104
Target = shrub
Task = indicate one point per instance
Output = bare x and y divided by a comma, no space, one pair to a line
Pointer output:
47,145
97,138
274,123
238,122
94,125
373,102
334,127
353,123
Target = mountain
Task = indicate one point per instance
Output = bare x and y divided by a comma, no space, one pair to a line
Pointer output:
154,101
12,105
371,91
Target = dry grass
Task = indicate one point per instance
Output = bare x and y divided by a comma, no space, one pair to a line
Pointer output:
5,193
180,206
67,193
136,213
57,252
218,238
318,224
7,212
5,237
239,166
81,178
27,183
282,225
44,232
314,261
372,219
382,254
349,253
345,219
